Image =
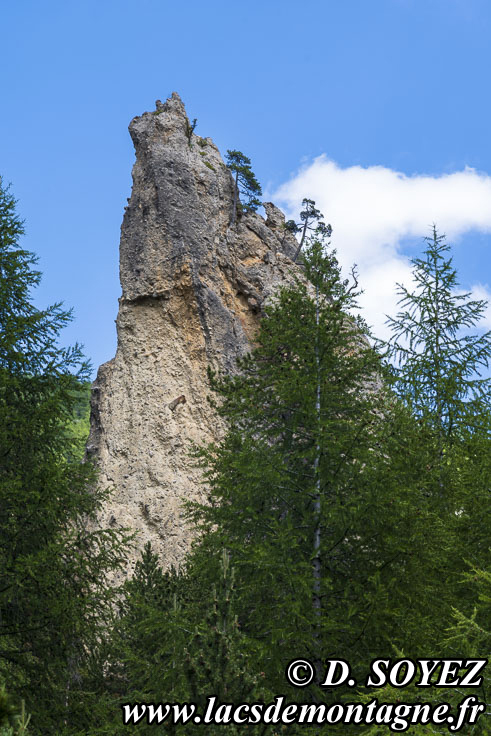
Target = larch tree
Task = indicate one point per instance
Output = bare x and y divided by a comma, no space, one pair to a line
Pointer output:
303,490
440,358
53,568
439,365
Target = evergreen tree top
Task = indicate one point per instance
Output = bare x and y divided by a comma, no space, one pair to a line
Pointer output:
438,365
29,336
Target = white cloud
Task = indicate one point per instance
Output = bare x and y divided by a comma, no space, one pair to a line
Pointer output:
479,291
373,209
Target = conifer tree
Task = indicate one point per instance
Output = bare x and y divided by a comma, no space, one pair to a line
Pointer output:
246,183
310,221
53,589
216,658
438,365
438,368
146,638
470,634
303,490
177,640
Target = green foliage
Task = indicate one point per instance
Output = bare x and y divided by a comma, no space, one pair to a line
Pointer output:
326,494
470,636
246,183
142,656
292,227
7,709
438,367
313,490
11,722
77,429
343,502
437,371
150,640
216,658
310,221
175,639
344,513
207,163
53,568
190,128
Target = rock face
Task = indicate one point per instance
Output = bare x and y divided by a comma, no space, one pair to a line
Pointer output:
192,292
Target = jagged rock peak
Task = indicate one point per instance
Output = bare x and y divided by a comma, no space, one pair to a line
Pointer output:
193,288
168,118
173,102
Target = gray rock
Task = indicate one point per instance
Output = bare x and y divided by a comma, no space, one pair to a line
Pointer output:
193,288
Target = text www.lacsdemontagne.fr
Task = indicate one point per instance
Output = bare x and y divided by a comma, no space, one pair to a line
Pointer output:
395,716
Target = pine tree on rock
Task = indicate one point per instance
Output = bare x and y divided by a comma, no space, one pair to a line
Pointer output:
245,181
310,220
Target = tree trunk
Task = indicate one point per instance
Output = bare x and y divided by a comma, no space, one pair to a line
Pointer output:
236,188
316,564
304,232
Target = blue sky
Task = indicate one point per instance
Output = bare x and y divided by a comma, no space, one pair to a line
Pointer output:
372,107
